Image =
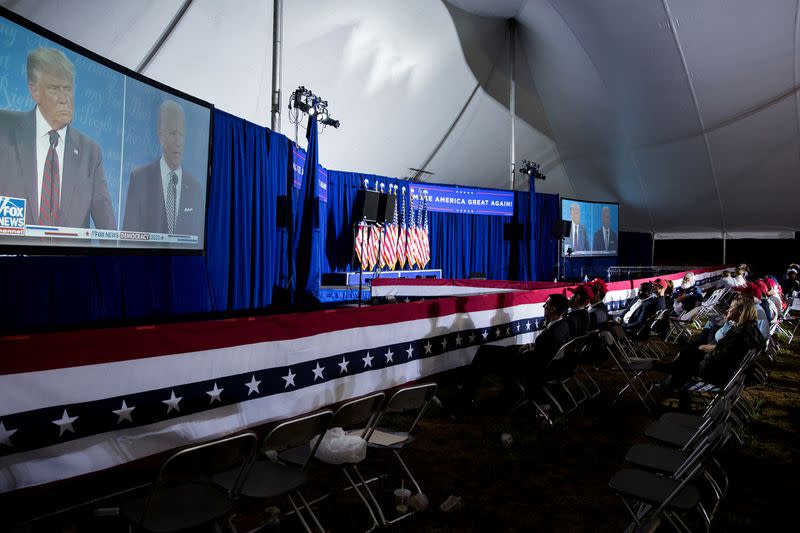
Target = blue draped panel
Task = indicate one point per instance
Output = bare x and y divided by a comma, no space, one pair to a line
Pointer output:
246,250
547,211
306,237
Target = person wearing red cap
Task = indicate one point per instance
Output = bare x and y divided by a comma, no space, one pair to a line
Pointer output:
578,316
598,311
774,293
752,290
769,306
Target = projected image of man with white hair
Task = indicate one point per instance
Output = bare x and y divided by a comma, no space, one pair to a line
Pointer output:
45,159
163,197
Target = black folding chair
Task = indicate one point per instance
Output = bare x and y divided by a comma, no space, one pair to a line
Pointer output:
268,476
415,400
184,495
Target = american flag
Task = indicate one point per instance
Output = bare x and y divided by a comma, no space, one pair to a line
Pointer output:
389,250
415,235
425,242
402,237
361,238
411,235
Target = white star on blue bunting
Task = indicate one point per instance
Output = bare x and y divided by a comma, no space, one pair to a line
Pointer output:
65,423
173,402
318,372
252,386
124,412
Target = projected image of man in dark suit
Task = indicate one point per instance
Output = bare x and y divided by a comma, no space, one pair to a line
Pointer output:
577,240
163,197
605,239
47,161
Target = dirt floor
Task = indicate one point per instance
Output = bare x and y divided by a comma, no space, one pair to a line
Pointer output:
553,478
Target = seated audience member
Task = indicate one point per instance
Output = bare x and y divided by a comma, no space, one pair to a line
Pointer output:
772,311
578,316
641,310
598,311
738,277
716,363
790,284
727,281
522,362
753,292
687,296
774,294
660,288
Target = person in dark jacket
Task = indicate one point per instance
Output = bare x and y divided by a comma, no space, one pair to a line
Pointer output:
521,362
687,295
716,363
578,316
598,311
641,310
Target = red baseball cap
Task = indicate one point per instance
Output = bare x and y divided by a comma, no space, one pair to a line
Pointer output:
583,290
599,286
763,286
750,288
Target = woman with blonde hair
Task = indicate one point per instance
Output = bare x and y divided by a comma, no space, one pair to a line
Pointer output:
716,363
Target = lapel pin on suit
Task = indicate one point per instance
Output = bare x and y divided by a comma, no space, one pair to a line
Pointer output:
75,150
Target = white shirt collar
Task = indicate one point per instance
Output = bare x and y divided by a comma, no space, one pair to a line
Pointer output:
43,128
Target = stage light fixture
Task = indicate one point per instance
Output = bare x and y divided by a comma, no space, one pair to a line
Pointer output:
531,169
306,102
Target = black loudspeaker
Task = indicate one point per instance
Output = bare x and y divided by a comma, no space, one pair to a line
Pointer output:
386,203
562,229
513,231
366,206
282,212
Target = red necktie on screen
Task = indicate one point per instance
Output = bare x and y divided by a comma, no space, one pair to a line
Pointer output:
51,185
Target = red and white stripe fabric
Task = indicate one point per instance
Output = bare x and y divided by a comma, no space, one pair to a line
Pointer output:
77,402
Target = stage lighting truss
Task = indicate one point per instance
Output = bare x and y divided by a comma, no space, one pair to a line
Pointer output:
531,169
304,102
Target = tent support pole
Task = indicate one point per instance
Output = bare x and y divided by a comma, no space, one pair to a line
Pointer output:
652,248
724,247
512,88
164,36
277,64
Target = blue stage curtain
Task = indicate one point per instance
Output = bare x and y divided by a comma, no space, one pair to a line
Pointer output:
547,211
460,244
246,250
307,236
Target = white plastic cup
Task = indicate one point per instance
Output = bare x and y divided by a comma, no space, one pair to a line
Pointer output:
401,500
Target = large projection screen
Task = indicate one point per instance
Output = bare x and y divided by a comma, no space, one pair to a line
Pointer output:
594,231
94,156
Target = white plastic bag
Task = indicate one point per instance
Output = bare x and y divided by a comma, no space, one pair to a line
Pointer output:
337,447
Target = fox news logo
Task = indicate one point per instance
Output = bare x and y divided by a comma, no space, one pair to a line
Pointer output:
12,215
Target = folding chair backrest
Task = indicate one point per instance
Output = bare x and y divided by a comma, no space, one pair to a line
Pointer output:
204,460
691,313
359,413
413,398
297,432
711,442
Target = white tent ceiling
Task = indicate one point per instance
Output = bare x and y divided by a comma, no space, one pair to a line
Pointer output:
685,112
